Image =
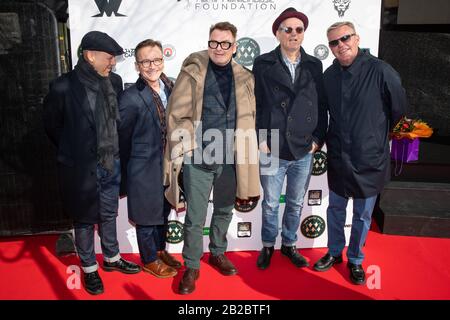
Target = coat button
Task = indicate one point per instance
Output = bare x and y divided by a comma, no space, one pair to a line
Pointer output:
290,118
308,119
283,104
288,134
310,103
277,88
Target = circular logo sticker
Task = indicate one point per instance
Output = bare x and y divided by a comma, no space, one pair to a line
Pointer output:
321,52
245,205
319,163
247,51
312,227
175,233
168,52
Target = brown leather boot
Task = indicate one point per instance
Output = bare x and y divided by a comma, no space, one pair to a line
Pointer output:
159,269
221,263
168,259
187,284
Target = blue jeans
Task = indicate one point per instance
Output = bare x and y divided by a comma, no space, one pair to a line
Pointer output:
108,188
298,173
152,238
362,217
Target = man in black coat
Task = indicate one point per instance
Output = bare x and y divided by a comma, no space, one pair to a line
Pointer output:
80,118
366,99
142,136
291,120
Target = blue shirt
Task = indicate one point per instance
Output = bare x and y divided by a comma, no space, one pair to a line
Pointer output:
162,93
291,65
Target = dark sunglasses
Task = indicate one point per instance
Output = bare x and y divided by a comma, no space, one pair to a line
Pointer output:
334,43
225,45
290,29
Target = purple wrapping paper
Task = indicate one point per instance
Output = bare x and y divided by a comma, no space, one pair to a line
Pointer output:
405,150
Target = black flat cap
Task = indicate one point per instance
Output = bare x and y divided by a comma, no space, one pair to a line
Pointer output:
100,41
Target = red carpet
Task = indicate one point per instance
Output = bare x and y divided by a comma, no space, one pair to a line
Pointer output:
409,268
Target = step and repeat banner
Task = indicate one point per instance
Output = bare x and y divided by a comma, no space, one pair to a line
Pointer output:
182,26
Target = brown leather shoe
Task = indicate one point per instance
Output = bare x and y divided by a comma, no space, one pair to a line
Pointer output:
168,259
187,284
160,269
222,264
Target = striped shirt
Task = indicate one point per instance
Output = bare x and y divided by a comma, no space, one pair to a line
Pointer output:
291,65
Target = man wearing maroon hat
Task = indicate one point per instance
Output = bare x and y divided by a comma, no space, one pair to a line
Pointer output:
80,118
291,120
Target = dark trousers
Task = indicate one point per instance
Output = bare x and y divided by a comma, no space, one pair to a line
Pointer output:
108,188
198,183
151,239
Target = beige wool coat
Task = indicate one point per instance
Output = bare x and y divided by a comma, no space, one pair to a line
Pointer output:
184,112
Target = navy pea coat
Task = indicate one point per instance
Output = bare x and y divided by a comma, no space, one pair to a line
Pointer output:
141,155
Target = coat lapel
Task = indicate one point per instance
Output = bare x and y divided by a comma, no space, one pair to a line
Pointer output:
212,87
147,98
80,96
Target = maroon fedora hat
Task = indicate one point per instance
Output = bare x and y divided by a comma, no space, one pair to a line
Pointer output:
289,13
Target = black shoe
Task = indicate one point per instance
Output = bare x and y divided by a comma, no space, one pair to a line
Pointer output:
264,257
93,283
326,262
296,258
121,265
357,275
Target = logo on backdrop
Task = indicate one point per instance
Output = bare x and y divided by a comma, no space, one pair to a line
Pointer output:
214,5
314,197
128,53
245,205
244,229
321,52
168,52
312,227
319,163
247,51
108,7
341,6
175,231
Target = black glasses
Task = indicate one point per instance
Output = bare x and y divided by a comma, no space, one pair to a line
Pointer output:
225,45
290,29
148,63
334,43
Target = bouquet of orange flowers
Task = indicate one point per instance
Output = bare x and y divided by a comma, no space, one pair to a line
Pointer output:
411,129
405,145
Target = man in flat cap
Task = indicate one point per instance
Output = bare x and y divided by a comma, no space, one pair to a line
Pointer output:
291,119
80,118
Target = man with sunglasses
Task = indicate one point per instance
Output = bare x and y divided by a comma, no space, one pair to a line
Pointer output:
211,105
365,100
290,108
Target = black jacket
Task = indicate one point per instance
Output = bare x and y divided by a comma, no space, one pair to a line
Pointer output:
69,123
298,110
141,155
365,101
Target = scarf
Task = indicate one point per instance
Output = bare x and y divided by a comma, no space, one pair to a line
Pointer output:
160,107
106,112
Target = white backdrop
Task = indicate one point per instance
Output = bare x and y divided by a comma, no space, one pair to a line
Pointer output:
182,26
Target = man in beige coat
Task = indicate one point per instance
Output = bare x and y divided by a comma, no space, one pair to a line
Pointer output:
211,128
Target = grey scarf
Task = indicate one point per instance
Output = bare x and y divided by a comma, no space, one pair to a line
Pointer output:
106,112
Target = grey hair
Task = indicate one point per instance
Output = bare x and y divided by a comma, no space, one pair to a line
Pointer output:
337,25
